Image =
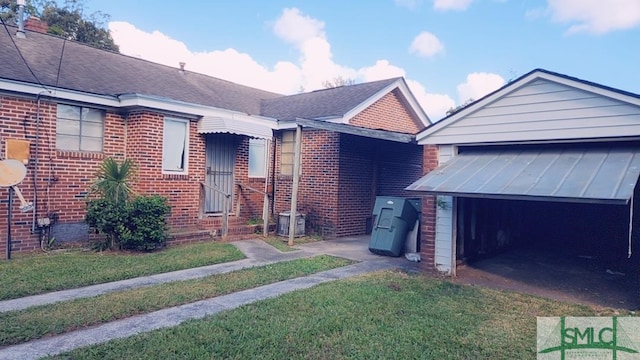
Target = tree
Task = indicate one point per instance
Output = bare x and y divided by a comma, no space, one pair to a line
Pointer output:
454,110
113,180
337,82
67,21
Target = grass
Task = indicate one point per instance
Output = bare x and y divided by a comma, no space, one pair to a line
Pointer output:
280,243
31,274
33,323
384,315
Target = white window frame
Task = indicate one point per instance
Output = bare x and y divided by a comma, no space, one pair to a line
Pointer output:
81,123
261,143
167,142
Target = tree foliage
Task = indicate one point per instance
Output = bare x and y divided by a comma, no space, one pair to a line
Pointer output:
454,110
337,82
114,180
68,21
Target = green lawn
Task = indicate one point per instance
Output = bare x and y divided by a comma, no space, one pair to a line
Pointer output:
31,274
33,323
385,315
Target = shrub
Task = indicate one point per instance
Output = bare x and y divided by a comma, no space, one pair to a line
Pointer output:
137,223
108,218
146,226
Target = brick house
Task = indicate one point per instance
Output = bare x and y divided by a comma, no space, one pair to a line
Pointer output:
210,146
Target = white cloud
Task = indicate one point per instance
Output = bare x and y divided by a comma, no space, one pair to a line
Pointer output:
226,64
296,28
435,105
445,5
479,85
426,45
315,64
381,70
595,16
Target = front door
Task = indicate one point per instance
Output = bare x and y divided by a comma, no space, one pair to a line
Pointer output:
221,160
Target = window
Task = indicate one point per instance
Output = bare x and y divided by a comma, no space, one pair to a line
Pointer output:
257,158
175,145
79,128
287,152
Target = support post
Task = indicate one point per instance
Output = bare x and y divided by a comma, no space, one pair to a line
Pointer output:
296,181
265,204
9,220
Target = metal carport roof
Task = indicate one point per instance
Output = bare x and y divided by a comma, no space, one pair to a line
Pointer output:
582,174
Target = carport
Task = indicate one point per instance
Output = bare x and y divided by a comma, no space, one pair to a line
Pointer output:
546,168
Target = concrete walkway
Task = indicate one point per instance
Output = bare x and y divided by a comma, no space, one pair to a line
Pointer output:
258,254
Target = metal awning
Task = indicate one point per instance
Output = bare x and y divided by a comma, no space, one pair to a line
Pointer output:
211,125
591,175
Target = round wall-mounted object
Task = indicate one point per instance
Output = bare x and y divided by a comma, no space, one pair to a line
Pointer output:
12,172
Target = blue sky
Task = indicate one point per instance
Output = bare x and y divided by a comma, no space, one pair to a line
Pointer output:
447,50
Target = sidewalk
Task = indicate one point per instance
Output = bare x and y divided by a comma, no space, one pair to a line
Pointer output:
258,253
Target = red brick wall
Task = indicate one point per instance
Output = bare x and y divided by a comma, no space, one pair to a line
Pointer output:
428,231
342,174
318,188
144,145
369,168
63,177
389,113
356,187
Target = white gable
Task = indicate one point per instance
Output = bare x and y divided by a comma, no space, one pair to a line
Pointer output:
541,107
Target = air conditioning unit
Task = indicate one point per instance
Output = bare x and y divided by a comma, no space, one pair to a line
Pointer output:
284,220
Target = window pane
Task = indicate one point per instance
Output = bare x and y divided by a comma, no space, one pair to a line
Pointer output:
91,144
257,160
67,142
286,169
79,128
68,127
68,112
92,115
92,129
173,152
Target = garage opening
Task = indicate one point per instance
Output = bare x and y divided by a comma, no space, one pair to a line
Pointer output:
569,251
546,219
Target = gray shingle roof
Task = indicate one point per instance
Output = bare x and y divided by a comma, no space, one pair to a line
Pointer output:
75,66
334,102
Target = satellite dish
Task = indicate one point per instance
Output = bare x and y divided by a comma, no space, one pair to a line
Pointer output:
12,172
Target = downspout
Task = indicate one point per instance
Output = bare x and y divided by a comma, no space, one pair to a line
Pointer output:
265,205
35,166
273,177
630,225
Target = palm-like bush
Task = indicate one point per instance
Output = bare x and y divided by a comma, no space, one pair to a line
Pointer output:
125,220
114,180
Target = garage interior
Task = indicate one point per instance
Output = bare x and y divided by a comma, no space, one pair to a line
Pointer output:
573,249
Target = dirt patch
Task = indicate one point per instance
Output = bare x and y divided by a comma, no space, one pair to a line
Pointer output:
577,279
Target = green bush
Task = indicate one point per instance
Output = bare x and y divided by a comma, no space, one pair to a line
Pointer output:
146,226
140,224
107,217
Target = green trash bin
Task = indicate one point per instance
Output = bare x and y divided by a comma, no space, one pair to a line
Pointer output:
394,218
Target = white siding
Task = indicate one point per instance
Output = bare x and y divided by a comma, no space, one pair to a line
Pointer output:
444,234
544,110
444,220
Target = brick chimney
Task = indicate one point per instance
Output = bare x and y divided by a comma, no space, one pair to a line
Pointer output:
34,23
